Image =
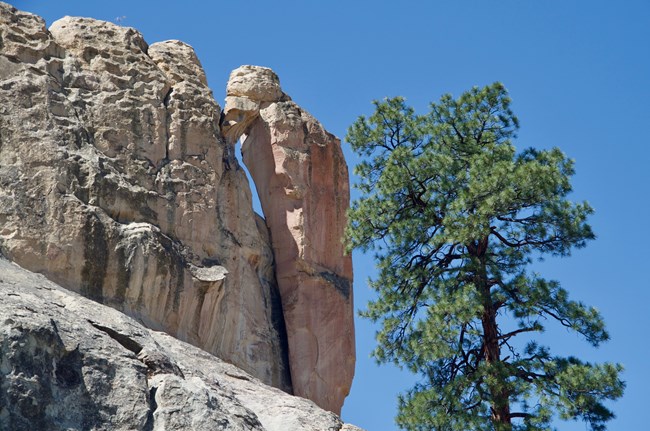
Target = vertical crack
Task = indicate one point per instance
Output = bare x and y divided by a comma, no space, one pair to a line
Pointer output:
168,124
153,406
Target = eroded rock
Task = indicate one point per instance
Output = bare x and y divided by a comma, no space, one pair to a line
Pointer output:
115,182
302,181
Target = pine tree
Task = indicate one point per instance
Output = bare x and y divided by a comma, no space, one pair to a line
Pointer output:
456,217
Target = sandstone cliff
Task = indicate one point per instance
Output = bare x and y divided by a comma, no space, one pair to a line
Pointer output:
69,363
116,182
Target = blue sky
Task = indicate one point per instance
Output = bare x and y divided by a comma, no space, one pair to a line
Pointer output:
578,73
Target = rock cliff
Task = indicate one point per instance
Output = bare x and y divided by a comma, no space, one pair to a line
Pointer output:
302,181
117,182
68,363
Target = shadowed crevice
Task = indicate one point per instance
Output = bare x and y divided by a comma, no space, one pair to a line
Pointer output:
124,340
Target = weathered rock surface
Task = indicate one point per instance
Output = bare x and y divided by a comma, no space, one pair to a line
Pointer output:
68,363
115,183
302,181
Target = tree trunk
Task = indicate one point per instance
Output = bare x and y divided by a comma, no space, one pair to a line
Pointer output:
500,397
499,393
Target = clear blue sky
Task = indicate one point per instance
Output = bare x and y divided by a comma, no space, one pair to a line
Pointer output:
579,75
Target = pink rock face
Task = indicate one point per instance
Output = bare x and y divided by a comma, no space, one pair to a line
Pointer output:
302,181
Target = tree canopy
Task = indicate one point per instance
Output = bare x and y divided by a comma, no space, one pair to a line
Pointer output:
455,216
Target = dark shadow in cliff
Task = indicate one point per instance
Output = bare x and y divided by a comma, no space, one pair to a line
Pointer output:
277,313
277,319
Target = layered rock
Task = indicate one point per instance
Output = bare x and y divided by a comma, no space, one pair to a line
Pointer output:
115,182
69,363
302,182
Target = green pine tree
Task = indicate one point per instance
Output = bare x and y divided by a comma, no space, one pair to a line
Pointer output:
456,216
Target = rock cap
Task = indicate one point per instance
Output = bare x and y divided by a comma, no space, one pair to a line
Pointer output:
257,83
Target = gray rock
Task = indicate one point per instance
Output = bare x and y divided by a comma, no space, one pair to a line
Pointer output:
68,363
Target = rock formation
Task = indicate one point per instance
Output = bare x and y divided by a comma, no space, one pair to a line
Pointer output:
115,183
69,363
302,181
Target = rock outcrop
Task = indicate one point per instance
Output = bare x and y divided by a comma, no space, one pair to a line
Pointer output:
302,181
119,181
69,363
115,183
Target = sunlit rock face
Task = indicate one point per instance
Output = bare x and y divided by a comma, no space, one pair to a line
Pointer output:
118,181
302,181
115,182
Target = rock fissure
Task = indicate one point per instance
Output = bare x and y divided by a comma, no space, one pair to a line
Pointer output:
124,340
153,406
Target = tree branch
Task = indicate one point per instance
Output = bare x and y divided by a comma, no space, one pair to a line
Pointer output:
513,333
